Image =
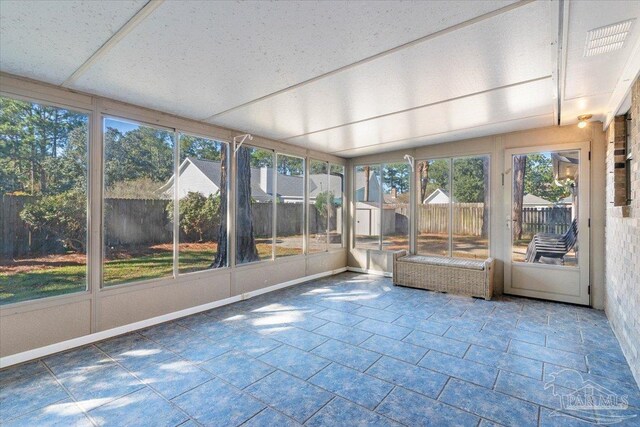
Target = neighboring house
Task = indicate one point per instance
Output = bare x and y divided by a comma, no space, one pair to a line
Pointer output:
374,188
533,201
439,196
203,176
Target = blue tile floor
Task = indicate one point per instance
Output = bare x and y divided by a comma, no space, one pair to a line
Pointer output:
345,350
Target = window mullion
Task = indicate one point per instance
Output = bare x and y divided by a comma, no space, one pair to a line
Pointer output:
451,207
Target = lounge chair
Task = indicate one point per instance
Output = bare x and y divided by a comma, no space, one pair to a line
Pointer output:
550,245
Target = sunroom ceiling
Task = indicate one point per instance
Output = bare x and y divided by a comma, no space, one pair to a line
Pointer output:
344,77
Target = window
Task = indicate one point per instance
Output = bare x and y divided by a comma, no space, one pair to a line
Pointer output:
453,207
254,204
367,194
395,206
470,205
320,200
289,206
202,203
336,207
43,201
382,206
433,207
137,227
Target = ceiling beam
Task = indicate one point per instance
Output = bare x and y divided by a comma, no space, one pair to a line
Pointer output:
428,37
346,151
561,21
406,110
144,12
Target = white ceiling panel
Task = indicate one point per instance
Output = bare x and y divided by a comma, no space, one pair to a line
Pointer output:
48,40
198,58
457,135
516,102
506,49
589,81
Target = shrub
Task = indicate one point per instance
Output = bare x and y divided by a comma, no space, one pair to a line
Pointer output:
199,215
63,215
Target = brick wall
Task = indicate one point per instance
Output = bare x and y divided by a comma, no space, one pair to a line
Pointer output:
622,235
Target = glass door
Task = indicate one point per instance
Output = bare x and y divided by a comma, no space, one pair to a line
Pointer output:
547,222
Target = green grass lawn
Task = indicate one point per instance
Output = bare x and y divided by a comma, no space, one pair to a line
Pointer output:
45,282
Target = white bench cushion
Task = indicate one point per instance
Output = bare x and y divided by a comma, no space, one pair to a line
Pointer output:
444,261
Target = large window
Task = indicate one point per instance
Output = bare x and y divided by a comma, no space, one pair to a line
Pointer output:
138,231
453,207
290,206
254,204
395,205
336,206
320,198
326,206
382,206
43,201
367,194
202,203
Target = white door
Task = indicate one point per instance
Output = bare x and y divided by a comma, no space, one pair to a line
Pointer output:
547,222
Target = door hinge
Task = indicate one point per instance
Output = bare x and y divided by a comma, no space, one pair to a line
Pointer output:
589,289
589,223
589,155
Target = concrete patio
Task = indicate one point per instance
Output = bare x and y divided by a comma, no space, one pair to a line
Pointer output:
350,349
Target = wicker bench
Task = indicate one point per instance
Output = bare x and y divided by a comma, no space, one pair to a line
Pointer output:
442,274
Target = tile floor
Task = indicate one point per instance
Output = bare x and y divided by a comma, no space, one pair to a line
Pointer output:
346,350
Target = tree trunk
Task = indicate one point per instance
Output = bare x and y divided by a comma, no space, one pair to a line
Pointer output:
366,183
221,255
246,250
423,173
485,206
519,169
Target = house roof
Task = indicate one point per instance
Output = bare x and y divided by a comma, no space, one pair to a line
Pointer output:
288,186
213,169
532,199
319,183
437,192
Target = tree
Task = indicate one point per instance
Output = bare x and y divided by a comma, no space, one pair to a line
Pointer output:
519,172
423,174
32,138
246,250
200,148
61,215
396,175
540,181
198,215
222,251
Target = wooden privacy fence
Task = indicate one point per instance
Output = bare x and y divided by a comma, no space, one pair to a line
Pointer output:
141,222
467,218
555,219
16,238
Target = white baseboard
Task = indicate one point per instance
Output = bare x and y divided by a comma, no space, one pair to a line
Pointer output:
40,352
367,271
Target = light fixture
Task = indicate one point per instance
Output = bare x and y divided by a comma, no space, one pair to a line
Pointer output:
583,119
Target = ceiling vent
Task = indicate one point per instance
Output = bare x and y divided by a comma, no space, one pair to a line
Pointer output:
607,39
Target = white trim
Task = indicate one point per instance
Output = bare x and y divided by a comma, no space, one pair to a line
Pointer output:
38,353
139,16
369,271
